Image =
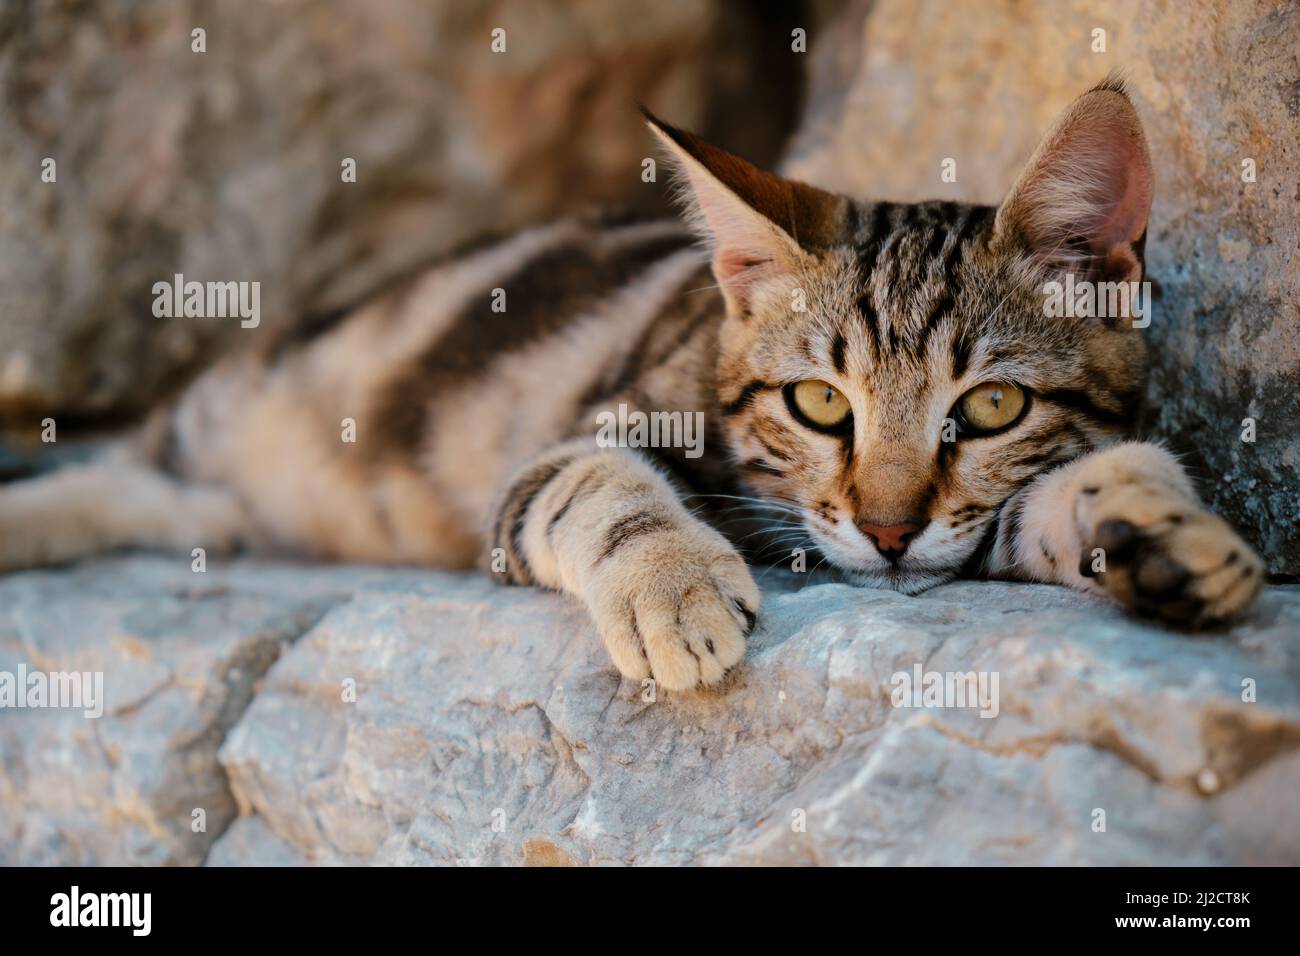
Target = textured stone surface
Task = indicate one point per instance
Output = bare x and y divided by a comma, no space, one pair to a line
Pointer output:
181,655
525,721
900,86
226,165
477,705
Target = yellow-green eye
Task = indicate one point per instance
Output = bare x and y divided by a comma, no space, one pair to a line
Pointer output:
821,403
991,406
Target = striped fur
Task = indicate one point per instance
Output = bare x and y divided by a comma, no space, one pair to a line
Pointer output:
476,430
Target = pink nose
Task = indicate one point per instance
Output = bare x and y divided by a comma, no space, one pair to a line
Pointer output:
890,540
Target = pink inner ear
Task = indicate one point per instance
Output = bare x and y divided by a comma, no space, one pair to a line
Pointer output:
1127,179
1088,192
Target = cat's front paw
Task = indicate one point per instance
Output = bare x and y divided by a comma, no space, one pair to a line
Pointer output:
675,606
1167,557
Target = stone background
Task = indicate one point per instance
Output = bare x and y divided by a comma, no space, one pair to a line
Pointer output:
225,165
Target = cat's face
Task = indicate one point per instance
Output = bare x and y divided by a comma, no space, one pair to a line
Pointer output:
915,392
890,379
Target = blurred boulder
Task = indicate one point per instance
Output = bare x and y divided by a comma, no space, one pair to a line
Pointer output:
227,163
899,86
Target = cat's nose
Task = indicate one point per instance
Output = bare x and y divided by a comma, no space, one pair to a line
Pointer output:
892,540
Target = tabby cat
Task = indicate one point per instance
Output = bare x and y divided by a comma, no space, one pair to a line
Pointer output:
878,379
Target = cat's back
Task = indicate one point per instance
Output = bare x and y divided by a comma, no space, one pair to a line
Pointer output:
410,409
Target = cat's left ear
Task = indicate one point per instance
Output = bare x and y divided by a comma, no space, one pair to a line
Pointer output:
757,224
1082,202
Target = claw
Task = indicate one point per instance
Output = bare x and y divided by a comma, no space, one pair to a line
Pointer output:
750,617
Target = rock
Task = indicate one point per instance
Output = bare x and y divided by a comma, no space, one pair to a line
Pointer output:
248,837
353,715
227,164
489,729
181,654
898,87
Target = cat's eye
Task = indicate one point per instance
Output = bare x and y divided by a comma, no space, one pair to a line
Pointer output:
819,404
991,406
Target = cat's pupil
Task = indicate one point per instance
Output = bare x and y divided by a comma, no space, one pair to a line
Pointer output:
830,394
996,398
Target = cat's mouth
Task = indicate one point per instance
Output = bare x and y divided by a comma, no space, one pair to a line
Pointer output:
901,579
910,575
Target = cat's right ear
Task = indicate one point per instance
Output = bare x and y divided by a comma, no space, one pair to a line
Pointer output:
757,224
1082,202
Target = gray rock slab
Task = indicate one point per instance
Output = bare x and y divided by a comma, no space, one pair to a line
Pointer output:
335,715
488,728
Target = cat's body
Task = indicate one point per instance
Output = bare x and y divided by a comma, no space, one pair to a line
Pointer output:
877,382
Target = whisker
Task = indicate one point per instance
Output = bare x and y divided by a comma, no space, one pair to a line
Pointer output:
753,502
772,532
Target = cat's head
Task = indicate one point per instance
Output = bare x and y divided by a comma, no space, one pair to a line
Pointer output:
888,372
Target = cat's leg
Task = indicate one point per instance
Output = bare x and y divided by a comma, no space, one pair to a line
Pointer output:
1126,522
671,597
113,502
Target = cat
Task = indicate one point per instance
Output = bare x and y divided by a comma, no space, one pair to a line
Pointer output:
878,382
